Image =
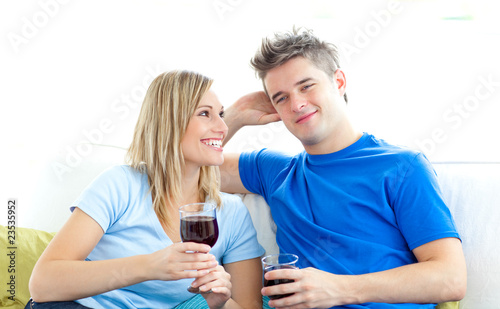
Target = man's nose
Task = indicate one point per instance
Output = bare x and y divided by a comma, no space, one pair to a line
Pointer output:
298,103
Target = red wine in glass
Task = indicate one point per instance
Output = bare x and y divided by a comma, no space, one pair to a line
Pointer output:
277,281
199,225
200,229
278,261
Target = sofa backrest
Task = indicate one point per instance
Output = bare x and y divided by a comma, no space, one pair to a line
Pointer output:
472,191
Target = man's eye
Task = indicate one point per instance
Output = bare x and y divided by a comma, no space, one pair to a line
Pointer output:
307,87
280,99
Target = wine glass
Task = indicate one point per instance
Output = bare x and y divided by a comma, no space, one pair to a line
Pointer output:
278,261
199,225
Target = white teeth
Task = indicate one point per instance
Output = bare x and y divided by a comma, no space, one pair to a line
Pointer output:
213,143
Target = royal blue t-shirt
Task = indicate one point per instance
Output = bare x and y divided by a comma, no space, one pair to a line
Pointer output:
356,211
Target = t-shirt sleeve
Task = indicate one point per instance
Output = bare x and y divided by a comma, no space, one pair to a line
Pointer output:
422,214
103,199
242,244
259,169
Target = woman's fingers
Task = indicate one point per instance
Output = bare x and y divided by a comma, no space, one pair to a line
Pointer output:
216,278
192,247
182,260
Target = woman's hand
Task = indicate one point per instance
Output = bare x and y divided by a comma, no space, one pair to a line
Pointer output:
215,287
180,261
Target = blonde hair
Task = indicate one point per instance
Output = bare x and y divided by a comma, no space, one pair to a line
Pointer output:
169,104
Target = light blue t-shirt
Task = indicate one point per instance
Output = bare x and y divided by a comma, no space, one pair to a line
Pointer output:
118,200
360,210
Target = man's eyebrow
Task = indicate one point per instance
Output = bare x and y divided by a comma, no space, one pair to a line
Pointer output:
303,81
300,82
277,94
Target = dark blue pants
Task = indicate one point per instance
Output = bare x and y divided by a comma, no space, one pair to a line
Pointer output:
54,305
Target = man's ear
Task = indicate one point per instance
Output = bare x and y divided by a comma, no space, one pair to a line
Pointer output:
340,81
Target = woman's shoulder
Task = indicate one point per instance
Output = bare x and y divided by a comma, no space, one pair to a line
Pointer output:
232,206
123,170
115,170
120,177
232,200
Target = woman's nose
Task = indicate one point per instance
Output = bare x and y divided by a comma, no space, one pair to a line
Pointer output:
221,126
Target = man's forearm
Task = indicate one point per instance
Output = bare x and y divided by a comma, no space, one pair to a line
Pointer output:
232,122
252,109
427,282
439,276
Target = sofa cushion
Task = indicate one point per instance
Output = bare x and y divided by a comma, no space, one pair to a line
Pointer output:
20,259
472,192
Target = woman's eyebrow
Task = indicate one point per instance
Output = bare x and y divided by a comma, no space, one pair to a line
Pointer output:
204,106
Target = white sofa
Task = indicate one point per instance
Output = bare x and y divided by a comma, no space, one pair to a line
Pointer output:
472,191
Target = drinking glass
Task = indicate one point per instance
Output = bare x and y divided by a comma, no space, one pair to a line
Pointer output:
278,261
199,225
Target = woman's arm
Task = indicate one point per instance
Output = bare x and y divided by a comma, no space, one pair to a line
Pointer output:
246,278
235,286
62,273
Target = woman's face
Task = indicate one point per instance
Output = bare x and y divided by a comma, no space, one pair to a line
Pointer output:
202,142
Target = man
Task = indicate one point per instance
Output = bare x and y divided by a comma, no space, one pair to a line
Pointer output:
366,218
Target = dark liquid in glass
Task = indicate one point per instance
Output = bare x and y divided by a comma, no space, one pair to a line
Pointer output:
200,229
277,281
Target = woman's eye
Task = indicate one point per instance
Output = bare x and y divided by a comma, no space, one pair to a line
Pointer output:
204,113
222,114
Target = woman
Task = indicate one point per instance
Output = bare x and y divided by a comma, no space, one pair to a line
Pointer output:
121,246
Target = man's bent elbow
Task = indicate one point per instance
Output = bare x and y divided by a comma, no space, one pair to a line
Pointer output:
460,291
456,288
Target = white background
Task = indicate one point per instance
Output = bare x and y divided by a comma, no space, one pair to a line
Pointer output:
424,74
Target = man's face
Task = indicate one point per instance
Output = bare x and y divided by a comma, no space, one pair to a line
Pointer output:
308,101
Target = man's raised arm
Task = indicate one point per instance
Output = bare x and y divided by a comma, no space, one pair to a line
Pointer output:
252,109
